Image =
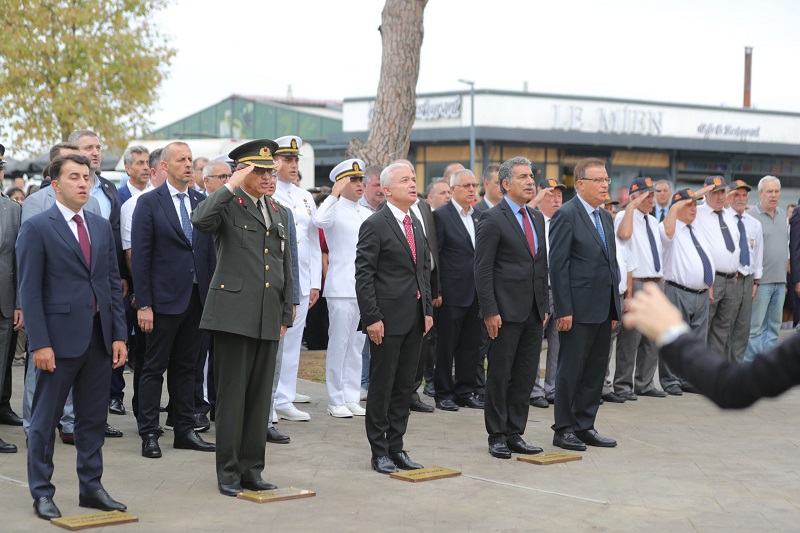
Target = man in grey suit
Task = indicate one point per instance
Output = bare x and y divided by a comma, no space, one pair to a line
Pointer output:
248,308
42,200
10,313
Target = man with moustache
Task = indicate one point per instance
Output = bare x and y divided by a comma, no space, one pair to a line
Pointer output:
751,258
394,298
723,236
137,167
542,396
584,278
341,216
172,266
458,321
637,229
248,310
70,289
511,279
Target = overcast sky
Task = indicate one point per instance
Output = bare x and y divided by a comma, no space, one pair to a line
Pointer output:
687,51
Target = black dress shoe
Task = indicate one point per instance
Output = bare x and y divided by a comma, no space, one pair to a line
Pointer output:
383,465
569,441
613,397
230,489
276,437
201,422
499,450
674,390
403,461
592,438
5,447
655,393
45,508
112,433
447,405
470,401
150,447
162,409
10,418
192,441
100,499
259,484
428,390
540,402
629,395
420,407
520,446
115,406
691,389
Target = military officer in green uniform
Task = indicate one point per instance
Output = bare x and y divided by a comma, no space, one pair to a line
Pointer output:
249,307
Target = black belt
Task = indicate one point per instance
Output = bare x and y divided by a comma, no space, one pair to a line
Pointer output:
644,280
726,275
687,289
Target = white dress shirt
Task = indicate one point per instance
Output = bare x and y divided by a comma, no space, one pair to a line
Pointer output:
682,263
755,243
466,219
173,193
69,215
707,224
639,245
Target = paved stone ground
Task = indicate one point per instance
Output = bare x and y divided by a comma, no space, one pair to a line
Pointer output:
681,465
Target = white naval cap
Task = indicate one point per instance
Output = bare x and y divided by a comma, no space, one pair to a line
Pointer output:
289,145
352,168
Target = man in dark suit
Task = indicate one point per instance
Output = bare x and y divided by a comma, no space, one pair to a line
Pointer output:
492,195
511,278
249,308
584,278
394,297
172,267
70,289
458,324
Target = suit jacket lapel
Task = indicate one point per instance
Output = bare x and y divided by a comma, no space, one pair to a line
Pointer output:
63,229
456,216
512,219
165,199
589,221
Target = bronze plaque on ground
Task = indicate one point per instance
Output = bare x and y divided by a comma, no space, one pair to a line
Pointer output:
549,458
425,474
275,495
85,521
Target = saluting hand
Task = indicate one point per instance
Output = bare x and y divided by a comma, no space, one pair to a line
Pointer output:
239,176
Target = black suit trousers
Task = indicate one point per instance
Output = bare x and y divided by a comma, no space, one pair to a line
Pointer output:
582,363
89,377
513,363
392,369
173,346
460,342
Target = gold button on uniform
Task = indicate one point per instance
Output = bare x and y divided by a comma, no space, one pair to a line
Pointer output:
266,267
222,286
266,250
266,285
267,234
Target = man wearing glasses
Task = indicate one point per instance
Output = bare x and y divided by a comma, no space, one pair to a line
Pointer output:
215,175
459,325
584,278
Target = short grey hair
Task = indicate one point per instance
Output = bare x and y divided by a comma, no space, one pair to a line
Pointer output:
209,168
372,171
659,182
76,135
137,149
386,174
766,179
199,160
506,170
455,175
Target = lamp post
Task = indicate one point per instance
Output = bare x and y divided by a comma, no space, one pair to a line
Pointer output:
471,123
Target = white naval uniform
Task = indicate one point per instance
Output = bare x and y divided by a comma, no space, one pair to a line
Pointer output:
341,219
309,256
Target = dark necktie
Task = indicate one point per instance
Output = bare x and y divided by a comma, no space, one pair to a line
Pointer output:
86,248
708,275
744,249
653,247
187,226
599,225
661,217
411,242
726,233
528,231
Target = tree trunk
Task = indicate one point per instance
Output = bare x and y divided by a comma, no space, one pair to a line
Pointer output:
395,104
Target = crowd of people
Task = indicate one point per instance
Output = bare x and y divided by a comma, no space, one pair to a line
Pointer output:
210,271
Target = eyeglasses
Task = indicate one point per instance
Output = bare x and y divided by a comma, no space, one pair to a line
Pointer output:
221,177
601,181
469,185
258,171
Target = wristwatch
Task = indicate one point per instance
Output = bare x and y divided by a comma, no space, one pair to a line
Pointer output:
144,308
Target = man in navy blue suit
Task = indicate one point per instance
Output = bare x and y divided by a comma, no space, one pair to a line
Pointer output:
172,266
70,288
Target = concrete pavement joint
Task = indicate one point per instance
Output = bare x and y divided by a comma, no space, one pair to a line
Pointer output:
572,496
14,481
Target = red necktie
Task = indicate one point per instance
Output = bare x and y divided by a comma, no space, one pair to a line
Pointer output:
528,231
411,242
83,239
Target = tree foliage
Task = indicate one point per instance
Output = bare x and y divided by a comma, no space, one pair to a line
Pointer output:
396,102
75,64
